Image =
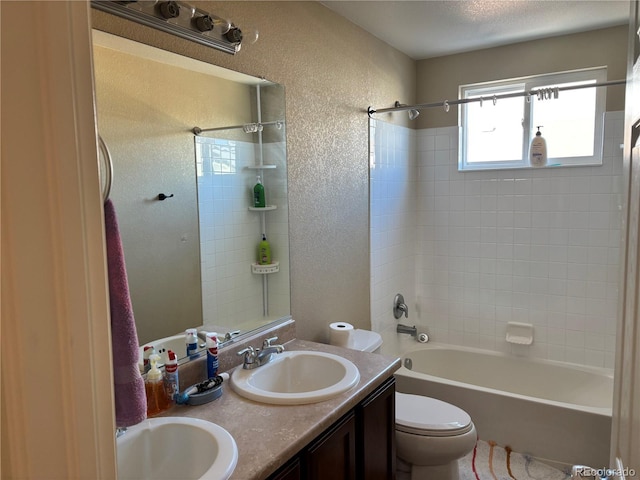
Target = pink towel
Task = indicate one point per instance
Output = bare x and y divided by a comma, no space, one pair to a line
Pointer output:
131,402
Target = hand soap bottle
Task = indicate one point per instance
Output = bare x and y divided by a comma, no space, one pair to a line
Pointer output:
264,251
258,194
157,400
538,150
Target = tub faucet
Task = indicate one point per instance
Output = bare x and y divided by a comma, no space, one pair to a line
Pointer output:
413,331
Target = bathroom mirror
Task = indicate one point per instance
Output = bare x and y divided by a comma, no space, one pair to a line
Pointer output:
183,200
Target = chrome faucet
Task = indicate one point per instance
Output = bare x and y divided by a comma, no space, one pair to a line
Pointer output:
256,357
222,340
413,331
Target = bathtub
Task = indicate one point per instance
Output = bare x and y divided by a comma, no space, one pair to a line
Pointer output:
553,411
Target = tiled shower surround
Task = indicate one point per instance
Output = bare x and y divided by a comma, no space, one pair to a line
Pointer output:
471,251
230,233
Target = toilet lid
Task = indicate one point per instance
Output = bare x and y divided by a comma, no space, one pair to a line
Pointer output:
428,416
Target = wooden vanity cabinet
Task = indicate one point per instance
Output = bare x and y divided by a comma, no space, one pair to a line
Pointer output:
376,434
359,446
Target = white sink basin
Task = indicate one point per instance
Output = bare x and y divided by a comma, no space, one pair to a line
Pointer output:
296,378
176,447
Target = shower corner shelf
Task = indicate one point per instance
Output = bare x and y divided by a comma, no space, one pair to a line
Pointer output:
263,209
265,269
261,167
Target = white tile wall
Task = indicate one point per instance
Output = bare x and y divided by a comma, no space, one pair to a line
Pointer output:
393,201
230,233
538,246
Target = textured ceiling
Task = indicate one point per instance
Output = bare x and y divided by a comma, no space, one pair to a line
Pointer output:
424,29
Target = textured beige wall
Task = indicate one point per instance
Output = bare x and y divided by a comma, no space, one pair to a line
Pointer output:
332,71
438,78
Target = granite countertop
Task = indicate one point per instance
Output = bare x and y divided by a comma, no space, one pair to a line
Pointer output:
269,435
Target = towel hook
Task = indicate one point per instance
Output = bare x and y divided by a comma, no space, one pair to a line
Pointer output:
162,196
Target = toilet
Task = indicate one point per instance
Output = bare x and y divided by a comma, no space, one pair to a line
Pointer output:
431,435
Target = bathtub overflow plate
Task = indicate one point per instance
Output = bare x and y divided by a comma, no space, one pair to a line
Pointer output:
408,363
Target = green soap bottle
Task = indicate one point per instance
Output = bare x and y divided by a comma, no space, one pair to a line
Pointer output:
258,195
264,251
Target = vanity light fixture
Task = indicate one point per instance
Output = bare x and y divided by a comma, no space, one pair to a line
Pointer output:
178,18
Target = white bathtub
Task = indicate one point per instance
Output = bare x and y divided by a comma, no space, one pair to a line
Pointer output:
553,411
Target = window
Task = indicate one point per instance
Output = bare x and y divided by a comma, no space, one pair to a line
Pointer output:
497,134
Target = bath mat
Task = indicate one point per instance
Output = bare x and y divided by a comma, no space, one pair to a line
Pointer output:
489,461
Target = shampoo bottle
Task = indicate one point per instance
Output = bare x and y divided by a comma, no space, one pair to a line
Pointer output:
171,382
538,150
264,251
212,355
258,194
157,400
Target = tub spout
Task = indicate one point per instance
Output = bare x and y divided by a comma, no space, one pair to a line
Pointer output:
413,331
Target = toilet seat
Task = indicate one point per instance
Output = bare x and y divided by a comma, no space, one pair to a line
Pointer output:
426,416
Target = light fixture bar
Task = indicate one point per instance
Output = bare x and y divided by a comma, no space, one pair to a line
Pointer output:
185,24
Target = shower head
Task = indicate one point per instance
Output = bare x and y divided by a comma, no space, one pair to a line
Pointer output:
413,113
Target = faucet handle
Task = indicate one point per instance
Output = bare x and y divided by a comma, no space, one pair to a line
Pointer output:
267,342
399,307
249,354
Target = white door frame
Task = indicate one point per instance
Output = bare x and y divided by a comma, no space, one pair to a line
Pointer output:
57,394
625,435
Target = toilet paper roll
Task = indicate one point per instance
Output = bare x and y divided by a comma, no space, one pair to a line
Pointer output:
340,333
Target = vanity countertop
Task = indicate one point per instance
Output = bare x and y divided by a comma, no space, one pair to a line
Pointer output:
268,435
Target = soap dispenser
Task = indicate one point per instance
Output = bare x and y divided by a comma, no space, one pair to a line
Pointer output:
157,400
538,150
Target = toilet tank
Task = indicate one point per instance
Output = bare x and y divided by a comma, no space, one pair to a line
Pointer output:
365,341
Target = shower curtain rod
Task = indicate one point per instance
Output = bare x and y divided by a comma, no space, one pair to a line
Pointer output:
546,92
198,130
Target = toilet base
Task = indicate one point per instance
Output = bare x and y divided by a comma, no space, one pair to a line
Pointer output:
448,471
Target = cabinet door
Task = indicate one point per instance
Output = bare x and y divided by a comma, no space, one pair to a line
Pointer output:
333,454
377,434
291,471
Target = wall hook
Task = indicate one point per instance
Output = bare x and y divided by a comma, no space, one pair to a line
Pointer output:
162,196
